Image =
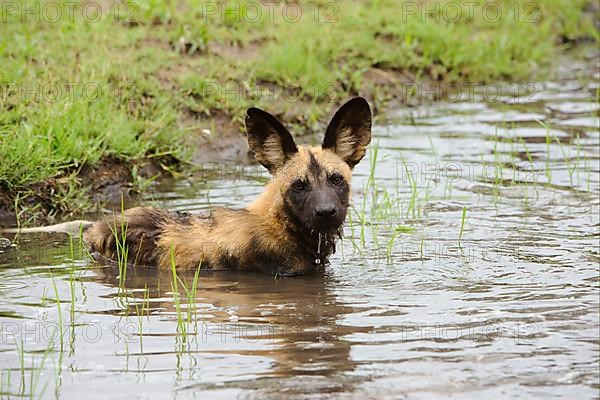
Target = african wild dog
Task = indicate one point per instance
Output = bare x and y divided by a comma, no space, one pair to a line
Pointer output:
289,229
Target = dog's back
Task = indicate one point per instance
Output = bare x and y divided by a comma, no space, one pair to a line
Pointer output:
134,234
222,239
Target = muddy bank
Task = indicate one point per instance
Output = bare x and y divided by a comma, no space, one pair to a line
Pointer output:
91,187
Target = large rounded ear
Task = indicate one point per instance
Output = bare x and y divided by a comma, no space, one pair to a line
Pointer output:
271,143
349,132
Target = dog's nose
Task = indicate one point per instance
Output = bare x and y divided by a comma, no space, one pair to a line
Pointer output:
326,211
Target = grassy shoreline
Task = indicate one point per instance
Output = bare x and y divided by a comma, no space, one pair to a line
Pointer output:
111,85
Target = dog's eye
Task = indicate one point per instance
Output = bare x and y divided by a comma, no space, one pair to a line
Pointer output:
298,185
337,179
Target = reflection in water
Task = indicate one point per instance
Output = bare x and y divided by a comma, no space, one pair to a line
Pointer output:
294,318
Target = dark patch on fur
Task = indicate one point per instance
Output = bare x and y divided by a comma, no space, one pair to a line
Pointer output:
142,228
288,211
342,191
268,263
184,218
314,168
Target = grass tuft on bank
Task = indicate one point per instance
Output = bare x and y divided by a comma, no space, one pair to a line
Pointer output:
136,80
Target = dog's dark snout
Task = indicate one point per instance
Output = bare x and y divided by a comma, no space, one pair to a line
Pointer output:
326,211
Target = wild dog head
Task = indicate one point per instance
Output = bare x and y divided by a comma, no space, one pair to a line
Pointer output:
314,182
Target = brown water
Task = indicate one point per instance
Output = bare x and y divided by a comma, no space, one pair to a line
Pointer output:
404,310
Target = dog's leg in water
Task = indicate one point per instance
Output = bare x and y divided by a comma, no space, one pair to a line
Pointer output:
71,228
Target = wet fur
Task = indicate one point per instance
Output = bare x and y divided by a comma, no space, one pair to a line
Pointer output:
275,234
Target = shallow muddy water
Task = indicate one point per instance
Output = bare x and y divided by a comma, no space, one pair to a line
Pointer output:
469,269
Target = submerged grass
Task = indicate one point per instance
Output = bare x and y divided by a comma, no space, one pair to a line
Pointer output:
142,77
139,312
119,231
181,321
29,380
463,220
386,211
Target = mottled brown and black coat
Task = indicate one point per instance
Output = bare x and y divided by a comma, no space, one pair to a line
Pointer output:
290,228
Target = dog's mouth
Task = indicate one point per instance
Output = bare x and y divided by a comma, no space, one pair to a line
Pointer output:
329,225
323,239
327,228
